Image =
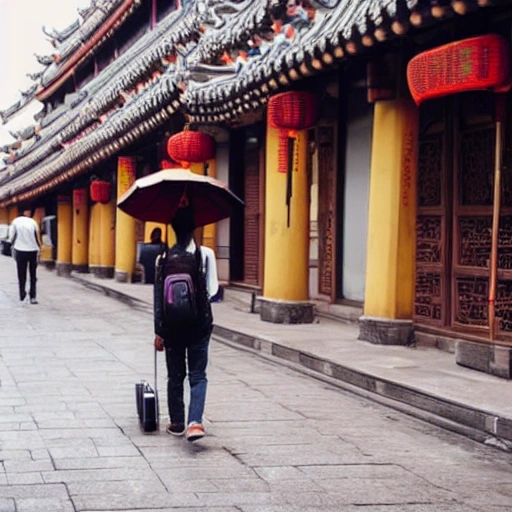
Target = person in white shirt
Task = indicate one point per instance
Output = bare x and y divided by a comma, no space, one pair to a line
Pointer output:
26,245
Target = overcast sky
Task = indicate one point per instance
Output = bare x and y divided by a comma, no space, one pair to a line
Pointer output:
21,36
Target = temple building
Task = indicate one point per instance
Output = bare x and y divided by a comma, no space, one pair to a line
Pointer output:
370,141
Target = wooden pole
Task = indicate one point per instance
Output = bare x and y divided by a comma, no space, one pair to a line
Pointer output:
500,113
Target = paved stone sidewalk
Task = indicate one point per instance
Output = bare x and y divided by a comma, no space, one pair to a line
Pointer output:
422,381
278,441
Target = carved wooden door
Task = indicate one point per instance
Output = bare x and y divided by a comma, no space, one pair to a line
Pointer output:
473,205
433,221
326,211
454,220
252,216
473,219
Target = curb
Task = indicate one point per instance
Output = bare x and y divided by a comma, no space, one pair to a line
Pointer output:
109,292
477,424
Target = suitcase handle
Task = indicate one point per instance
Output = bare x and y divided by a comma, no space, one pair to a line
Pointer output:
156,392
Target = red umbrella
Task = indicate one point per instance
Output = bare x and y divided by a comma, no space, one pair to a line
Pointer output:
156,197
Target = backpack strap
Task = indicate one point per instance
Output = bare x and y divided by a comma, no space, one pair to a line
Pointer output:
197,252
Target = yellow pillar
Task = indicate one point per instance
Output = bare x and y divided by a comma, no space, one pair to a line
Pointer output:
389,289
107,236
286,247
94,239
38,215
13,212
80,245
126,244
64,235
4,216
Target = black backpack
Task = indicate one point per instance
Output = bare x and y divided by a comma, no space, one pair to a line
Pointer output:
182,306
182,272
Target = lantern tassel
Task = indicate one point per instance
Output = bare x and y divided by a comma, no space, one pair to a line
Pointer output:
289,178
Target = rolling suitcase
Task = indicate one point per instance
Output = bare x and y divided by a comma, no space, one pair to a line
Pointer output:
146,398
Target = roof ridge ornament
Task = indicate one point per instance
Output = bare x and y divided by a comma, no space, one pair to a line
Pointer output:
325,4
84,13
29,92
62,35
44,60
35,76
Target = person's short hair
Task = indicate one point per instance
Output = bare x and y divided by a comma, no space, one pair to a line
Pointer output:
183,221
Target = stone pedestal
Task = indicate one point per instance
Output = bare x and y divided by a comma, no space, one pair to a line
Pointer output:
488,358
386,331
286,312
63,269
50,265
81,268
120,276
104,272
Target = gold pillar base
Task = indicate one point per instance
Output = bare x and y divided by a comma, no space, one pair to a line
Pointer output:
386,331
120,276
286,312
104,272
63,269
81,269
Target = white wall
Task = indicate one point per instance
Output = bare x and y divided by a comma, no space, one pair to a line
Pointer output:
357,179
222,163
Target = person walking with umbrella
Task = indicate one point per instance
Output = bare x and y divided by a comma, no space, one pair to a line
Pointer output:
185,343
186,280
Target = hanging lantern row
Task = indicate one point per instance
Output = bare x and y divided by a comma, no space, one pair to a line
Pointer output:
188,147
100,191
289,112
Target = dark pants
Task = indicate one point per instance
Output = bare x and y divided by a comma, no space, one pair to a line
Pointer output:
24,260
179,356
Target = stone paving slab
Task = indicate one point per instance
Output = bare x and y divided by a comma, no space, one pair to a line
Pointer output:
277,440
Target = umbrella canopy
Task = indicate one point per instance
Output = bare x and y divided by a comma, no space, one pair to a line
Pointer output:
157,197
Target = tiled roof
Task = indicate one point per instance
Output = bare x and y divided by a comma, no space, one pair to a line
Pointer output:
348,28
98,13
228,23
70,45
144,107
142,88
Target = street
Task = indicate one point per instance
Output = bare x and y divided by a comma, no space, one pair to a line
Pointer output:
276,440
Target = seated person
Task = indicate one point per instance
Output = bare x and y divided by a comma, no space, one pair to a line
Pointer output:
147,254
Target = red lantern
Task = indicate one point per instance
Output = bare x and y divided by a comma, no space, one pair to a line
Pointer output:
471,64
191,147
100,191
289,112
294,110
